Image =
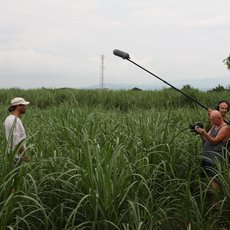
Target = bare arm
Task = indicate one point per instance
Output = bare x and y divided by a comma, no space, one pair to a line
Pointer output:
222,135
22,149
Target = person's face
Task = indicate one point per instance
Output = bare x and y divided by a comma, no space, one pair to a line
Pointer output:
223,108
21,109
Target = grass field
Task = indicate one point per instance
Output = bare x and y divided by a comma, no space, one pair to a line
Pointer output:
111,160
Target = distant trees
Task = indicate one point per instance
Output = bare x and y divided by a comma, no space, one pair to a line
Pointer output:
218,88
227,62
136,89
187,87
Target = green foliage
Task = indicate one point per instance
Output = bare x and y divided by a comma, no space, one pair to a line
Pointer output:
110,160
218,88
227,62
120,100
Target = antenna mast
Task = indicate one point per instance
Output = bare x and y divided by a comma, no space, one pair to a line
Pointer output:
102,71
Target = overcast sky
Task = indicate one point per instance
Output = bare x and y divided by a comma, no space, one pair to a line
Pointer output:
59,43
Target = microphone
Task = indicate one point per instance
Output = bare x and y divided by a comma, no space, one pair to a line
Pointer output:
121,54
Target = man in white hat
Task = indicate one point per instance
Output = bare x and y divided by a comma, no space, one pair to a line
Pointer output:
14,129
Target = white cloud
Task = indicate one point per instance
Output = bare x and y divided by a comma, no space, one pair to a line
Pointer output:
60,41
30,67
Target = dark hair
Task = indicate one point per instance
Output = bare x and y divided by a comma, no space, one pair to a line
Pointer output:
218,105
12,108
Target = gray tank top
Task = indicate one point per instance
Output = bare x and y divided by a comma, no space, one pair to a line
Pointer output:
214,151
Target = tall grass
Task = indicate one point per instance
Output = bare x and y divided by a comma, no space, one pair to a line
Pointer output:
120,100
110,160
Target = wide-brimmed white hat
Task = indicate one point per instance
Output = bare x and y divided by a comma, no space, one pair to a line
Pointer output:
19,101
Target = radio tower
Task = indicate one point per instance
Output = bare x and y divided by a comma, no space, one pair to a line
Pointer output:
102,71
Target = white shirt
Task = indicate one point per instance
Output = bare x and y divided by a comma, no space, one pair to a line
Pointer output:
18,132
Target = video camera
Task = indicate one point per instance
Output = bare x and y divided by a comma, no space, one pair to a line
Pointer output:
195,125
